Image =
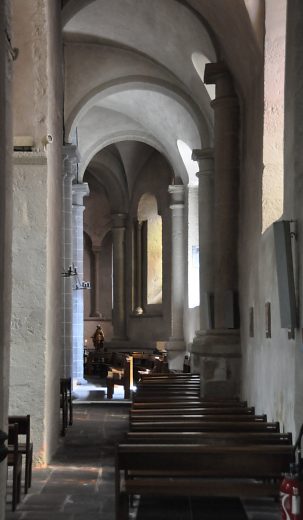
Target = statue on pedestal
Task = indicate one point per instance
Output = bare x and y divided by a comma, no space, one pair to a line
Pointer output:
98,338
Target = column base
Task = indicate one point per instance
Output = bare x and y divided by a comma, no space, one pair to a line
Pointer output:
219,352
175,353
81,381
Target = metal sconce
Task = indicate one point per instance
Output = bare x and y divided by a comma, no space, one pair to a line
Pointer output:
72,272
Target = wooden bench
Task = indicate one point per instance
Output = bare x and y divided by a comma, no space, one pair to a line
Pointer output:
205,426
14,460
25,448
165,398
198,470
120,376
217,438
170,375
196,417
172,404
227,410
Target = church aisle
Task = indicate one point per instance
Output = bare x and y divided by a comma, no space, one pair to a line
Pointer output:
79,484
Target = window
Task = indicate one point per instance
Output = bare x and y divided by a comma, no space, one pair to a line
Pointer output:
147,255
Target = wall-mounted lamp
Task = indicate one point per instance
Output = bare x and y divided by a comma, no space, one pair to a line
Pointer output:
77,284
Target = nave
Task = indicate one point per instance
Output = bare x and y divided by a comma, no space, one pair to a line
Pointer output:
79,482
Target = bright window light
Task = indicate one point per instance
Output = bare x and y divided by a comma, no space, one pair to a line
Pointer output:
186,152
199,62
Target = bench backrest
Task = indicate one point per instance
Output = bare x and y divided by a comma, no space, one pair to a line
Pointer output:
204,460
216,438
210,426
24,426
196,417
13,439
241,410
187,403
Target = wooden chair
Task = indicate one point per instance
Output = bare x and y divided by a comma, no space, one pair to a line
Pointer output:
25,448
66,403
14,460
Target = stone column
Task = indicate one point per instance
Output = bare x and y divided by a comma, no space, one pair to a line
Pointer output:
219,344
96,295
79,192
70,160
205,159
226,182
119,303
176,340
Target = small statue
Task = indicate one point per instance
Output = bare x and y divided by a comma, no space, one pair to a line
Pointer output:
98,338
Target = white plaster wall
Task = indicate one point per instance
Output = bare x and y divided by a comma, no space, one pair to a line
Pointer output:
268,365
30,85
293,178
273,140
5,232
38,97
28,348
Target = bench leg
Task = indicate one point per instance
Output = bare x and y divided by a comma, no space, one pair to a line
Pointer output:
28,471
16,489
70,410
122,507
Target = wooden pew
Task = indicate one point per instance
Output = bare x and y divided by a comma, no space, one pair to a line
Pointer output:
138,412
120,376
172,404
25,448
205,426
217,438
170,375
166,397
198,470
197,418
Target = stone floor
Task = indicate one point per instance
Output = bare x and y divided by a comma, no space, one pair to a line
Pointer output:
79,484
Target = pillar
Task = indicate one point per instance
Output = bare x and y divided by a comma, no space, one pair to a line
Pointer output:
226,194
218,344
69,173
5,231
176,341
96,287
205,159
79,192
119,303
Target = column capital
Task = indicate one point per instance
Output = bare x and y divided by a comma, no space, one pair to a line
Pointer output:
177,193
70,152
79,192
70,159
96,249
205,160
119,220
218,74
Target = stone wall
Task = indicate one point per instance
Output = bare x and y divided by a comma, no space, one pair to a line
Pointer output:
5,229
269,363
